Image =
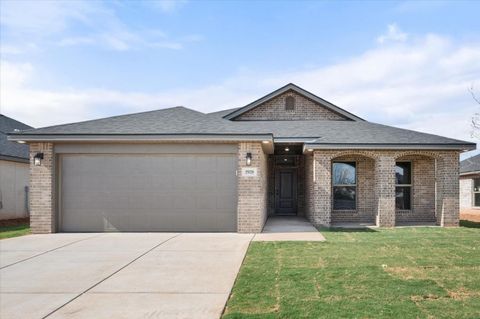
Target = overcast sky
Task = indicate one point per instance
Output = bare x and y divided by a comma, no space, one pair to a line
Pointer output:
407,64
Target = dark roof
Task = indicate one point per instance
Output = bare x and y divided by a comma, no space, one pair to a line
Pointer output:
471,164
8,149
178,121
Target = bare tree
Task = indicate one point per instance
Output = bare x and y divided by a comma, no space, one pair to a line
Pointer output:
476,117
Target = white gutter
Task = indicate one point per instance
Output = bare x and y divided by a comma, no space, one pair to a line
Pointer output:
460,147
139,138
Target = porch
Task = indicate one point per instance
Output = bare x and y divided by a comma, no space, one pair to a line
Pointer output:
288,228
364,188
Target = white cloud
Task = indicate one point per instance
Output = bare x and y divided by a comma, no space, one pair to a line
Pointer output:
393,34
420,84
168,6
37,21
70,41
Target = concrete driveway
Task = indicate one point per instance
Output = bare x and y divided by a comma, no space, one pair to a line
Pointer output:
119,275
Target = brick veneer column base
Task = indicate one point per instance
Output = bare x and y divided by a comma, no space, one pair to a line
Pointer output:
41,195
252,191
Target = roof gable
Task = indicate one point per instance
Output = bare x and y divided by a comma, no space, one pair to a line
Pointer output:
323,104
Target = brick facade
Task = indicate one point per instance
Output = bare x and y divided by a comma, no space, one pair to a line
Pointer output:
365,197
379,205
252,191
431,200
423,191
274,109
42,190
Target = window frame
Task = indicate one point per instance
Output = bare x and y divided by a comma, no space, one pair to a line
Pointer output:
410,186
474,192
344,185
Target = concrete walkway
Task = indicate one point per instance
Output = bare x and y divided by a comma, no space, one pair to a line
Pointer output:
119,275
289,229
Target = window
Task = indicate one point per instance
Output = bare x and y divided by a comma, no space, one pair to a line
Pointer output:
476,192
403,185
344,180
289,103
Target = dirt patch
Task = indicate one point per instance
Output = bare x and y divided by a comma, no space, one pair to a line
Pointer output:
472,215
14,222
462,294
407,273
425,297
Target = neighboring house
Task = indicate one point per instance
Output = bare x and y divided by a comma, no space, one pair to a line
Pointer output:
287,153
14,171
470,183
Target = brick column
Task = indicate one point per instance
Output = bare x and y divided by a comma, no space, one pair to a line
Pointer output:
42,190
448,197
252,190
385,191
321,192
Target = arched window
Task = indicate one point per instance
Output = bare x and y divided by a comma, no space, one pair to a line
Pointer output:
289,103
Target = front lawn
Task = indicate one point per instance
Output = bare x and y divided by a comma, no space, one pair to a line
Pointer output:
387,273
14,230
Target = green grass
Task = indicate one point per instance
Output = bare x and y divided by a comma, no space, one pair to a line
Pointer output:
14,231
389,273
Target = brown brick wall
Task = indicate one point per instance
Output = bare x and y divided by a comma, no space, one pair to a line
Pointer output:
42,190
252,191
423,191
309,190
365,197
448,201
305,109
379,167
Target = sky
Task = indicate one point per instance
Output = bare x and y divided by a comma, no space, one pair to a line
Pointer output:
407,64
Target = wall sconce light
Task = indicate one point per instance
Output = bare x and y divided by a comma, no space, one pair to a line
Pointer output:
37,159
287,149
249,159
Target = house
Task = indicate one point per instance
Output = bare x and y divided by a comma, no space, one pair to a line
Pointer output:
470,183
14,170
287,153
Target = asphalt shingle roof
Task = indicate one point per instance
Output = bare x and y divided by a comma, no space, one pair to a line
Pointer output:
8,148
180,120
471,164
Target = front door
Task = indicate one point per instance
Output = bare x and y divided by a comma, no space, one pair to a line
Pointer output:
285,191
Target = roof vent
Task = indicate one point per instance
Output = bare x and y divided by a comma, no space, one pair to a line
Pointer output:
289,103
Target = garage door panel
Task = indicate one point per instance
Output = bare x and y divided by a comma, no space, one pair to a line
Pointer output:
184,181
207,201
148,192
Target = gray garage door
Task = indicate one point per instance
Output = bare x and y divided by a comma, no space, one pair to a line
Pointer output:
148,192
